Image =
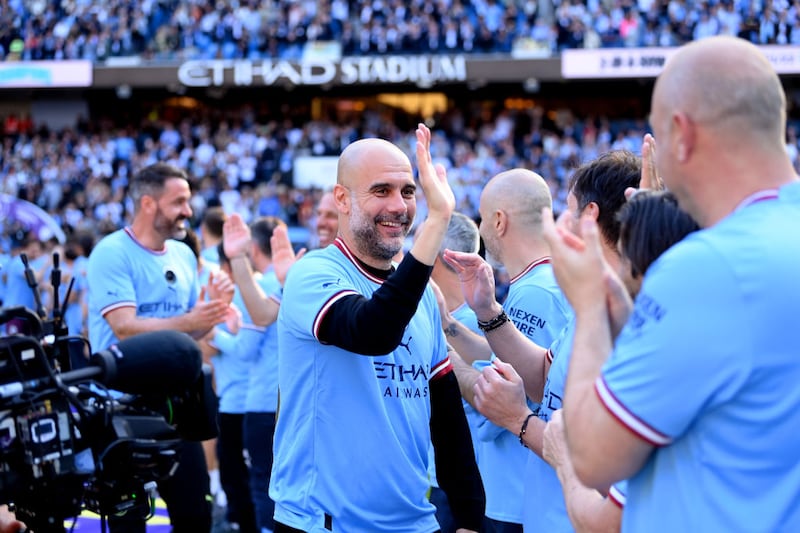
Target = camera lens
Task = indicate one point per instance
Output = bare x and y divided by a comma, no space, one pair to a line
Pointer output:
170,275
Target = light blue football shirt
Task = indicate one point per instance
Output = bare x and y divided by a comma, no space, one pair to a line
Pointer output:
536,304
465,315
353,431
262,390
538,309
549,512
124,273
234,360
707,370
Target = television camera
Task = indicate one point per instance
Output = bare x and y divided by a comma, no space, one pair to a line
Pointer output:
98,437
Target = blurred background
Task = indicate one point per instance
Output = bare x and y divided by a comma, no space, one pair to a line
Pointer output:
256,98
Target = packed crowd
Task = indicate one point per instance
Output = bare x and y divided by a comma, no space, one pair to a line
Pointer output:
568,406
80,176
173,30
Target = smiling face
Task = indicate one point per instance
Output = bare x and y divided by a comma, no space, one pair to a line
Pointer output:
173,209
381,217
376,197
327,220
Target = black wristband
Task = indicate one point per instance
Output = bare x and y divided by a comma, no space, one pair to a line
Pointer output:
524,428
494,323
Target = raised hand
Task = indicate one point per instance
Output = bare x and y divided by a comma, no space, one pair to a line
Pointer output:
578,262
438,194
235,236
477,282
283,256
650,178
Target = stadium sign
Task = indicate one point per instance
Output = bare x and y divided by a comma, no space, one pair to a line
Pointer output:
614,62
45,74
648,62
422,70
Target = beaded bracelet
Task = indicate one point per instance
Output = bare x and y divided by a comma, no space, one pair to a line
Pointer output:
494,323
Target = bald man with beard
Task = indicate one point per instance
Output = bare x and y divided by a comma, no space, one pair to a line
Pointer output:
365,378
511,227
696,400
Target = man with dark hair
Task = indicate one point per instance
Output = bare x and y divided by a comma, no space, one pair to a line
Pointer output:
142,279
597,190
715,319
650,223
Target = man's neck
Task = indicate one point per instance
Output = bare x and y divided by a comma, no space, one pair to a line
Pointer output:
518,256
143,232
611,255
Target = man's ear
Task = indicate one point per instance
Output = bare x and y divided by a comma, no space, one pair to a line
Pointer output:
341,195
592,209
684,135
148,204
500,222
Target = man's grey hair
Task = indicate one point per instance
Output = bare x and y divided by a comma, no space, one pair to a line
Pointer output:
462,236
151,179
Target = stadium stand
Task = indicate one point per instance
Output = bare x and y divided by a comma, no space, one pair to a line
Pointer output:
250,29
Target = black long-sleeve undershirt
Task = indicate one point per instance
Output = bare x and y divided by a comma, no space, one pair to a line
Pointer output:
375,325
456,469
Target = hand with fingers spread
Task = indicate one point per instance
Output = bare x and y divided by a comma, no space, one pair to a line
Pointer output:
650,178
578,262
500,396
433,178
236,236
477,282
283,256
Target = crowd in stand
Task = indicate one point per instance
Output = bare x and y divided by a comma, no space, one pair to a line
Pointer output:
175,30
80,175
